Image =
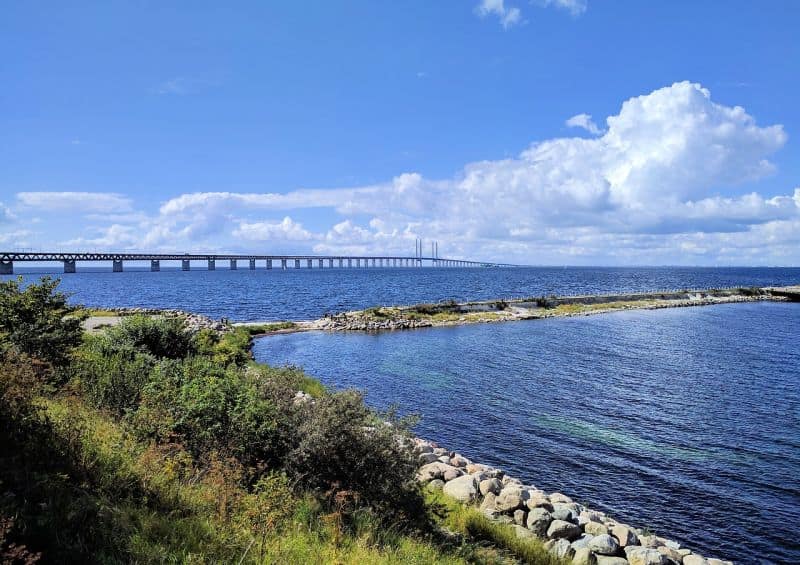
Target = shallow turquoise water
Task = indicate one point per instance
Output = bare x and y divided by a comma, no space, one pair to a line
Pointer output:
686,421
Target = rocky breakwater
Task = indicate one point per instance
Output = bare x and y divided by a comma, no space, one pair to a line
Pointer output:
569,530
363,321
192,322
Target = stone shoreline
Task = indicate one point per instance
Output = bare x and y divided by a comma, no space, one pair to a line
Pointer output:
570,531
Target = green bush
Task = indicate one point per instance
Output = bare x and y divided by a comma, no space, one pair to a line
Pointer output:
37,321
113,380
161,337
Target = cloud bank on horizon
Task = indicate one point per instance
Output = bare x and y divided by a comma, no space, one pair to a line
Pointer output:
644,189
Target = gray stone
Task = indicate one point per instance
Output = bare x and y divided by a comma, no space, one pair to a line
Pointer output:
463,489
608,560
672,555
561,513
538,521
444,459
451,474
595,528
558,497
538,500
694,560
561,549
561,529
584,556
684,552
426,458
604,544
625,536
510,498
459,461
436,484
434,470
488,502
638,555
582,542
519,517
493,486
649,541
589,516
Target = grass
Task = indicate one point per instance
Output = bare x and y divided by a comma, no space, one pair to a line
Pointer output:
576,308
261,329
102,313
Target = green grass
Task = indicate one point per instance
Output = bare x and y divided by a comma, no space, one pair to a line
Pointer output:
260,329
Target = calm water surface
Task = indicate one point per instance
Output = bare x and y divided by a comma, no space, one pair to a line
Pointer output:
686,421
297,294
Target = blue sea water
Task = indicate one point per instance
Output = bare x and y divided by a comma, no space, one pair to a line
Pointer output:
686,421
298,294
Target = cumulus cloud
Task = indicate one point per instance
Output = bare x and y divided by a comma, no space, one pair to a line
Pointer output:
86,202
508,16
584,121
5,214
574,7
287,230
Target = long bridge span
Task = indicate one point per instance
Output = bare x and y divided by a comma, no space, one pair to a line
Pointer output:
70,260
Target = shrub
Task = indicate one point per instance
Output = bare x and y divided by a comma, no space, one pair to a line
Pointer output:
37,320
161,337
112,380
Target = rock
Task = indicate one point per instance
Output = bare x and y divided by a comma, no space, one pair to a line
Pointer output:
558,497
522,532
444,459
582,542
451,474
539,500
625,536
436,484
519,517
560,548
561,513
488,501
649,541
589,516
571,506
561,529
510,498
684,552
604,544
672,544
595,528
473,468
432,471
539,521
426,458
672,555
583,556
694,560
608,560
493,486
459,461
638,555
463,489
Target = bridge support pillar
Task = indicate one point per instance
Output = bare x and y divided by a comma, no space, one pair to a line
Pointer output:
116,266
283,264
309,263
319,263
252,264
185,266
234,266
6,267
341,262
358,262
69,265
330,263
269,263
373,261
297,263
155,265
349,262
212,265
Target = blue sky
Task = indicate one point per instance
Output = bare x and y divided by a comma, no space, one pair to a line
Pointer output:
543,132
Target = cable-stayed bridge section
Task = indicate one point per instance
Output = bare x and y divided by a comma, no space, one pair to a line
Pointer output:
71,259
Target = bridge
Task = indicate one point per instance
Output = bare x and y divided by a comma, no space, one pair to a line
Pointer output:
70,260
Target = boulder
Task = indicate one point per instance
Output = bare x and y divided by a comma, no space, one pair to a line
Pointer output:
672,555
561,529
561,513
444,459
539,521
510,498
625,535
539,500
451,474
432,471
463,489
649,541
589,516
436,484
488,501
560,548
522,532
558,497
519,517
425,458
459,461
604,544
638,555
595,528
609,560
582,542
694,560
473,468
583,556
493,486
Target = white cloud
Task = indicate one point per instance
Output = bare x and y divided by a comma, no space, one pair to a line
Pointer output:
584,121
287,230
508,16
5,214
574,7
83,202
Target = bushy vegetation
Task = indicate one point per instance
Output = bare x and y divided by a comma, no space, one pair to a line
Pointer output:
157,445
